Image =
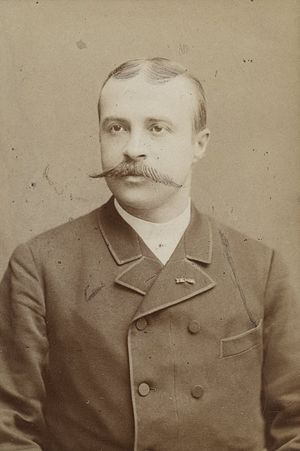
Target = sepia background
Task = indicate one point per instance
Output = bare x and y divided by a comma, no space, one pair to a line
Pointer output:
56,53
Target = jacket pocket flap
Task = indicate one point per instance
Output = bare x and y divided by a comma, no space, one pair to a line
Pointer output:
241,342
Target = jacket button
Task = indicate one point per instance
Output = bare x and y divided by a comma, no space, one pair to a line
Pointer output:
194,327
143,389
141,324
197,391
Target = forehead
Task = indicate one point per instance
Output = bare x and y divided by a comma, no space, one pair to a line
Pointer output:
139,97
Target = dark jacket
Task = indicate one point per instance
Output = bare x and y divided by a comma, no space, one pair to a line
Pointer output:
105,349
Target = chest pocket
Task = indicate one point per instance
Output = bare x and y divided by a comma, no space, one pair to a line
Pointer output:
241,343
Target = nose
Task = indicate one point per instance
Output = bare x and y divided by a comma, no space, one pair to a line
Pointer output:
135,147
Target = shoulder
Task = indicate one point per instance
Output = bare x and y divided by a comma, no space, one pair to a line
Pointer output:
250,259
81,228
255,266
64,246
66,242
239,243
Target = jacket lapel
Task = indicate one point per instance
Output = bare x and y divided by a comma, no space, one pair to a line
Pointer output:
183,276
139,266
121,239
141,275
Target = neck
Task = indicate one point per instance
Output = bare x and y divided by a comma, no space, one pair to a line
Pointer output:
170,209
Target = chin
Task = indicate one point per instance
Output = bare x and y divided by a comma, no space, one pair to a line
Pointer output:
138,201
142,198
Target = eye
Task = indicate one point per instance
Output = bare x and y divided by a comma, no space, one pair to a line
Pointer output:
157,129
115,129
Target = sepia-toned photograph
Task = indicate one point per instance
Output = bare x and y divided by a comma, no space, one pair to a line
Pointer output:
150,225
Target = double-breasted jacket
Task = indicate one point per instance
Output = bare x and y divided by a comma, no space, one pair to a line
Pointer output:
105,349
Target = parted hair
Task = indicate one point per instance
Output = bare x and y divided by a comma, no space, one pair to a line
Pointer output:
161,70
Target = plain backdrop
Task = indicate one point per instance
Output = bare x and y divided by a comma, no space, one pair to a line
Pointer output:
54,57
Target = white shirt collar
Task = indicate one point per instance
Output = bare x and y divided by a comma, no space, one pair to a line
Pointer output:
161,238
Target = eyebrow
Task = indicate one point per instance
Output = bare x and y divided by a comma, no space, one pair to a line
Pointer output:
109,119
150,120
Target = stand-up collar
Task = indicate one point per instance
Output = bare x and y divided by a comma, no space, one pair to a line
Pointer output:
124,245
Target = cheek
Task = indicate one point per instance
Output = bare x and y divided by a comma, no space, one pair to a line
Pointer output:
177,159
110,150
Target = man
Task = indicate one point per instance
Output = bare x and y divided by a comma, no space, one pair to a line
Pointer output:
145,325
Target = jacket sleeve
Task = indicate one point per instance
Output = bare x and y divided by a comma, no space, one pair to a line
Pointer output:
281,371
23,355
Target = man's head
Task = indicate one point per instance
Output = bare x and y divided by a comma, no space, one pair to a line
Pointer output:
152,116
158,71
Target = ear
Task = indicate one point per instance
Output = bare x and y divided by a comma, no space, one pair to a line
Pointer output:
200,145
